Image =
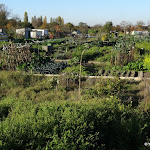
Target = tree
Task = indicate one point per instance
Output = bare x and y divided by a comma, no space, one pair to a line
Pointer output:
69,27
108,26
45,20
26,24
60,20
11,27
11,23
57,26
25,18
39,22
4,13
140,22
139,25
52,28
44,25
93,32
51,20
34,22
83,28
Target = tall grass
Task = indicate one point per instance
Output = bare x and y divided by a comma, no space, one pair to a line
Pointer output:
28,86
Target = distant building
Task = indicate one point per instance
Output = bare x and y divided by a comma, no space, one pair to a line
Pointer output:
24,32
89,36
76,34
39,33
140,33
2,30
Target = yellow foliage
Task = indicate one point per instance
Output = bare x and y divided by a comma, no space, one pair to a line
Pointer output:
104,37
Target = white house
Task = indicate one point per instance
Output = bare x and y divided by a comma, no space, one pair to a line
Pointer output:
39,33
24,31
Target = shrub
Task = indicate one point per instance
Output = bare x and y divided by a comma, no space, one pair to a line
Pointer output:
136,65
104,88
73,71
105,124
5,107
147,62
92,53
104,37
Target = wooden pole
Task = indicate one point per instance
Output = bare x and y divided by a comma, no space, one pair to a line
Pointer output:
80,74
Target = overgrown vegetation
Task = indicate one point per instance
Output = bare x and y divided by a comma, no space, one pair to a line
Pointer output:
39,112
101,124
74,107
127,53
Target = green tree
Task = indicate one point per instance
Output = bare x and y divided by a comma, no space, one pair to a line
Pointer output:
60,20
4,13
83,28
51,20
108,27
39,21
26,24
93,32
69,27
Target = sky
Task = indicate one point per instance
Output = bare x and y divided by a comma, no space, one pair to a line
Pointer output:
91,12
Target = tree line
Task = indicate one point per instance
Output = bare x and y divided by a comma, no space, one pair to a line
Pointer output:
56,26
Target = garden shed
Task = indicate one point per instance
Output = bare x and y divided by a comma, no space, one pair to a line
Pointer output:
39,33
24,32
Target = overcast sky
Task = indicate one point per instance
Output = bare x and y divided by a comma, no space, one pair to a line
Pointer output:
88,11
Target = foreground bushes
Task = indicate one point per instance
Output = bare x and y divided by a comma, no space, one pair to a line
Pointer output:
105,124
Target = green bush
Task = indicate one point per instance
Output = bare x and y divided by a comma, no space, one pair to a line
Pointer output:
105,124
147,62
92,53
104,88
143,45
73,71
78,51
5,107
136,65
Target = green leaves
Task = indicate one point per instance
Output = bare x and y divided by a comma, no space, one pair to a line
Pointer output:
147,62
70,125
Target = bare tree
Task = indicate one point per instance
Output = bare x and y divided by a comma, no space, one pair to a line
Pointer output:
140,23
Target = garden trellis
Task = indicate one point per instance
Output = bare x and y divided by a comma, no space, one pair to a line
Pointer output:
13,55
